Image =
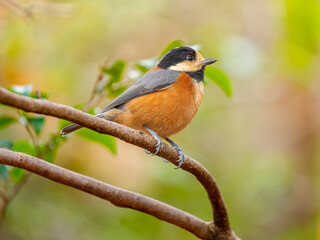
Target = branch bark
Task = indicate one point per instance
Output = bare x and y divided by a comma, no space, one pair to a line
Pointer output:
117,196
218,229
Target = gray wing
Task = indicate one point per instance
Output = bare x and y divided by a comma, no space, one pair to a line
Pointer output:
150,82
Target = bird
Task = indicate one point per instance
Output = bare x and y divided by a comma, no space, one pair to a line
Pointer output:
163,101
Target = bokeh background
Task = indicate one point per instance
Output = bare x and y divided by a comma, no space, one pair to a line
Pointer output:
262,144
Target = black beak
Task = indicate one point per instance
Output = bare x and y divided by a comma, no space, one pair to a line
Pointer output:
208,61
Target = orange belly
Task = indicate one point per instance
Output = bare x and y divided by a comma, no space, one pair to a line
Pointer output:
166,112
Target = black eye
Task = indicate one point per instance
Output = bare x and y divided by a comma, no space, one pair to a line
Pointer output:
190,58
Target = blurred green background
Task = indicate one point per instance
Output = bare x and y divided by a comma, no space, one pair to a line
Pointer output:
262,144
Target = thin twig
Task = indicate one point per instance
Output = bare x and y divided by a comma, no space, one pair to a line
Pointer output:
9,197
28,128
38,94
17,8
28,10
96,96
2,210
3,204
3,197
18,186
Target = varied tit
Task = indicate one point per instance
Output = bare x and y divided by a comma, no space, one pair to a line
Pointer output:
164,100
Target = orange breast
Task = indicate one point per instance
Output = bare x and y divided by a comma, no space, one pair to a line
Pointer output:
167,111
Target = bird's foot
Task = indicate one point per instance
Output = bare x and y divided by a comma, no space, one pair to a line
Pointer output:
147,152
159,144
166,161
182,157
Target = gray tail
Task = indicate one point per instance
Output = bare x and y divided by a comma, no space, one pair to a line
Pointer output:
74,127
69,129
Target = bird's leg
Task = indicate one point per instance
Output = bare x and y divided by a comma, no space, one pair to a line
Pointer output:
159,144
182,157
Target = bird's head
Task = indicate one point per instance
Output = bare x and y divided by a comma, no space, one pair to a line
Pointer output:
184,59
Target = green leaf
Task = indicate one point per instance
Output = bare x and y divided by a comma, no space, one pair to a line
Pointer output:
16,174
49,149
115,72
79,106
173,44
37,123
6,121
143,69
3,171
63,123
50,156
116,92
91,111
6,144
103,139
24,90
24,147
220,78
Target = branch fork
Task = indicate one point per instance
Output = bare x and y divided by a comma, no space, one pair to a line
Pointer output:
218,229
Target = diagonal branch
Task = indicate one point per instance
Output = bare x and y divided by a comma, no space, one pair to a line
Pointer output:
117,196
220,223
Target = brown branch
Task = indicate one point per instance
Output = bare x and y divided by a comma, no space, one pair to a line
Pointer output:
117,196
220,226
